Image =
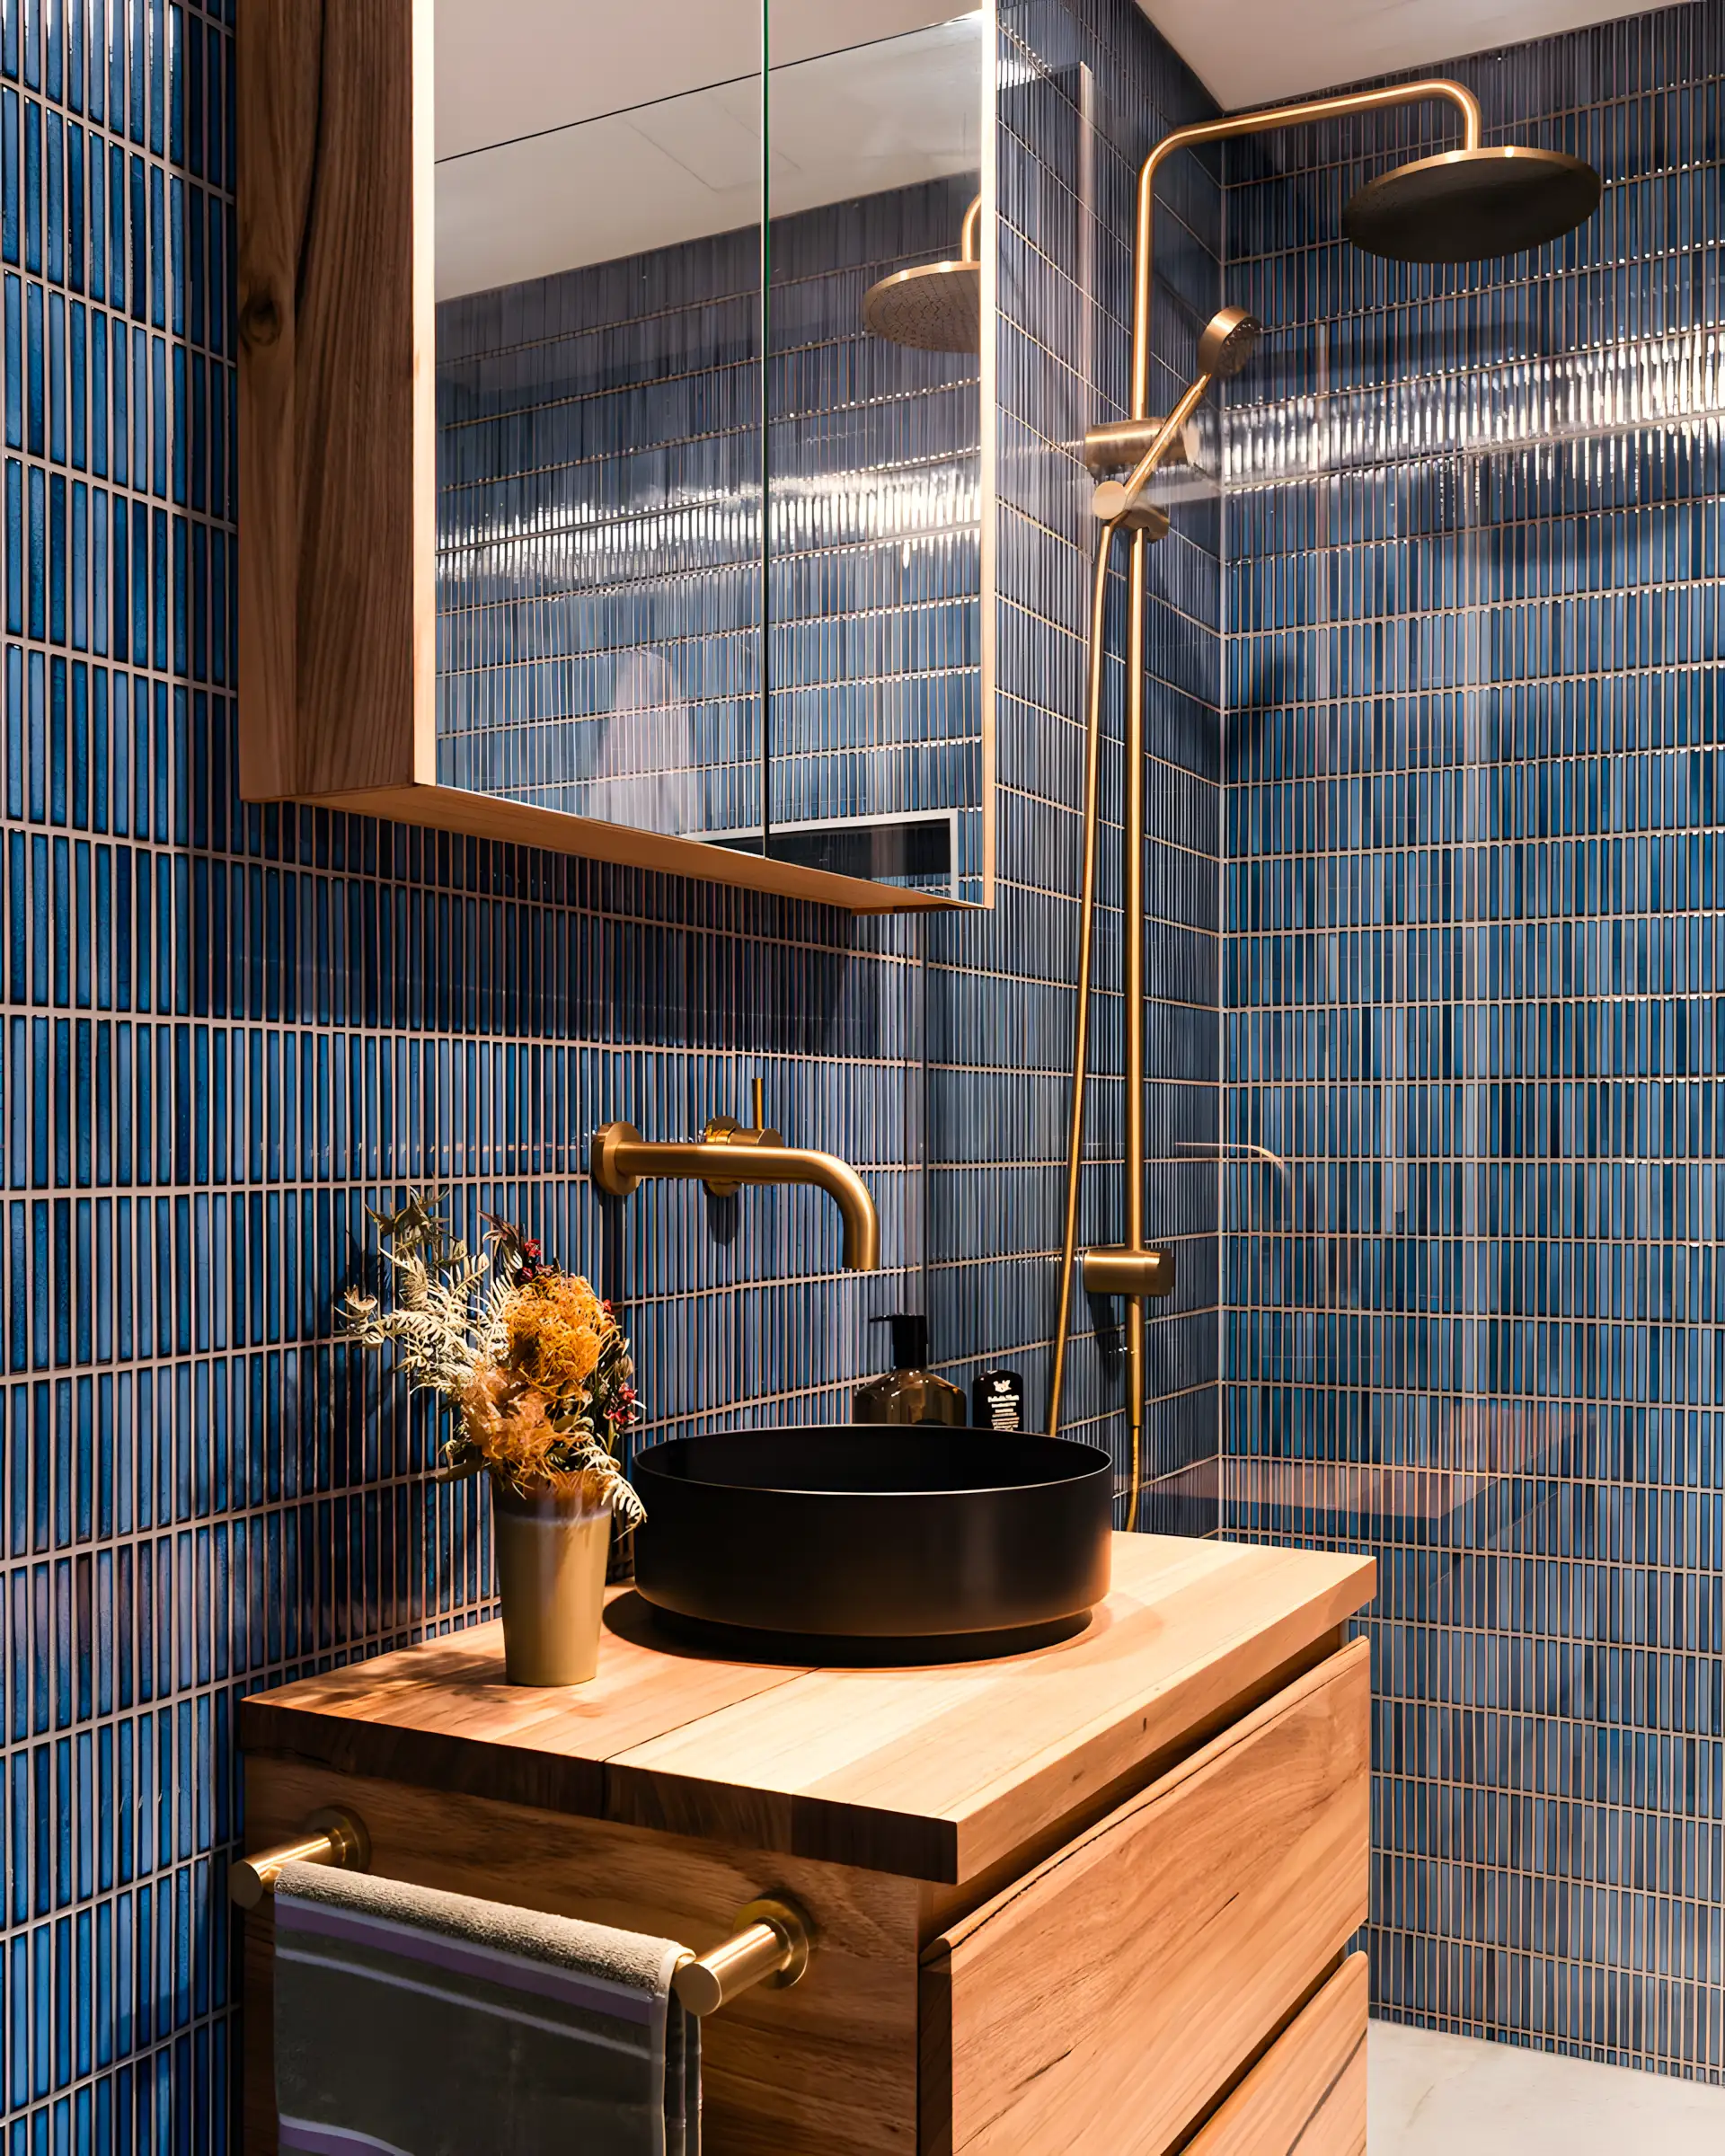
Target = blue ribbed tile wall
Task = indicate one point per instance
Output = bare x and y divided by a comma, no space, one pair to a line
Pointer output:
1473,956
874,467
599,541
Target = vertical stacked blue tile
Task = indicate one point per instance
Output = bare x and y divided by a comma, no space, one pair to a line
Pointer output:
1472,959
874,471
599,540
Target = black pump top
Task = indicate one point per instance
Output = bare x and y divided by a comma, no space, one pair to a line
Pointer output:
909,1340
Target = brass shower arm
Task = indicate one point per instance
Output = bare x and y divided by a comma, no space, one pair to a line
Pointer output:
970,233
1264,121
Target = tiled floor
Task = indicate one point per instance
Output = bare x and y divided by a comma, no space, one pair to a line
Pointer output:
1452,2096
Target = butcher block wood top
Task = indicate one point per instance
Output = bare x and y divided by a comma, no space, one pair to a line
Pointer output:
935,1773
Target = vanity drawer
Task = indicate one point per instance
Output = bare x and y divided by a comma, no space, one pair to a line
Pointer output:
1129,1976
1307,2093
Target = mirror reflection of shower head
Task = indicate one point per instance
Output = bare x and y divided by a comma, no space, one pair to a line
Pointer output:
937,306
1471,205
1230,339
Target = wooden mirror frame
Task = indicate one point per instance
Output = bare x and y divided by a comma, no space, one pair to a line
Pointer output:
338,452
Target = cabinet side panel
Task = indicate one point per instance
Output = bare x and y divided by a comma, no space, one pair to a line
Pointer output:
336,574
1100,2005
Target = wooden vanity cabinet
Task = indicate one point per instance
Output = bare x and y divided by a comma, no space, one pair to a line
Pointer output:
1090,1902
1123,1981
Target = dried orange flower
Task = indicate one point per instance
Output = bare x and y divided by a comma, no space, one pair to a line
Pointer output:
556,1328
507,1423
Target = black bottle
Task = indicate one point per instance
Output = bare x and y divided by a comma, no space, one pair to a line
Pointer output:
909,1392
997,1400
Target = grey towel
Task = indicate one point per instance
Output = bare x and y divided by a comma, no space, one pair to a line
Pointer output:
413,2023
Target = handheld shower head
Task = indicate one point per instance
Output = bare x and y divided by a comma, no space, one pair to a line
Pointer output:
1230,339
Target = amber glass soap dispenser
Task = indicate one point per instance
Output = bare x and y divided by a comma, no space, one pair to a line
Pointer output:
910,1391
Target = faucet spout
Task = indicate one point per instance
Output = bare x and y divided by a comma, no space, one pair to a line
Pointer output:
621,1158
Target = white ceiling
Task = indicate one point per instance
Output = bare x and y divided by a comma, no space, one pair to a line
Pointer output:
1249,52
867,95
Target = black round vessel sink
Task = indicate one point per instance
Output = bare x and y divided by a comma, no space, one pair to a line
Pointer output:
873,1543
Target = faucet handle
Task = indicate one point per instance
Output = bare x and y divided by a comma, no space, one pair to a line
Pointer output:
726,1130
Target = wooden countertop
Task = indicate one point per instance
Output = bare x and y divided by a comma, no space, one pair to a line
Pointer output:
935,1773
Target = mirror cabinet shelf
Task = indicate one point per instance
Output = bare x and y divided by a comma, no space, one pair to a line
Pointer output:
616,431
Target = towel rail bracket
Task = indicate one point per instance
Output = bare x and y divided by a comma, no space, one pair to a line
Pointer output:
770,1945
331,1836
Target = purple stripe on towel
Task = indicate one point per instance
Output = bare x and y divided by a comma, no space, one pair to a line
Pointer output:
544,1980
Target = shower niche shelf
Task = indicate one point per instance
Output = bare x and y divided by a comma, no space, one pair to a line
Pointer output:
498,579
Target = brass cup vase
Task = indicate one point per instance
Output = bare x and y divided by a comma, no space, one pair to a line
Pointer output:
552,1546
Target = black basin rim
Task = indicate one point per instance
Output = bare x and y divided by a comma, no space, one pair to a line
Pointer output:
869,1650
645,1465
786,1570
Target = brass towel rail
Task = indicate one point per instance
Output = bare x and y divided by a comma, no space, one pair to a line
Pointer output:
771,1944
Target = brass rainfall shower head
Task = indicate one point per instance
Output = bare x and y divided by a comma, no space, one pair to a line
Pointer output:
937,306
1471,205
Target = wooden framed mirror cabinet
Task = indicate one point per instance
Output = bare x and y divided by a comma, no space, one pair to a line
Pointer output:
616,430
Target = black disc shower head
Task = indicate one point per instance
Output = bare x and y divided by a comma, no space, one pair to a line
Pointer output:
1470,206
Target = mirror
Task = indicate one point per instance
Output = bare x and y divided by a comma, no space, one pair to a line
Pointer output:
710,539
598,220
874,441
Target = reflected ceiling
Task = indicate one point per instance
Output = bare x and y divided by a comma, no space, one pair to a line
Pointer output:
569,135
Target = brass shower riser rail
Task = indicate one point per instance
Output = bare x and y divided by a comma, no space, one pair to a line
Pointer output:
1461,205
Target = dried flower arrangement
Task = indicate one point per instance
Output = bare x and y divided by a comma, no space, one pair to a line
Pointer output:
534,1364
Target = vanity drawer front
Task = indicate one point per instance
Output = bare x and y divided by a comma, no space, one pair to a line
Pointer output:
1307,2096
1097,2006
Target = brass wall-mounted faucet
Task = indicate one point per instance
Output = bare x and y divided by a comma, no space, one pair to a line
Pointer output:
728,1154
